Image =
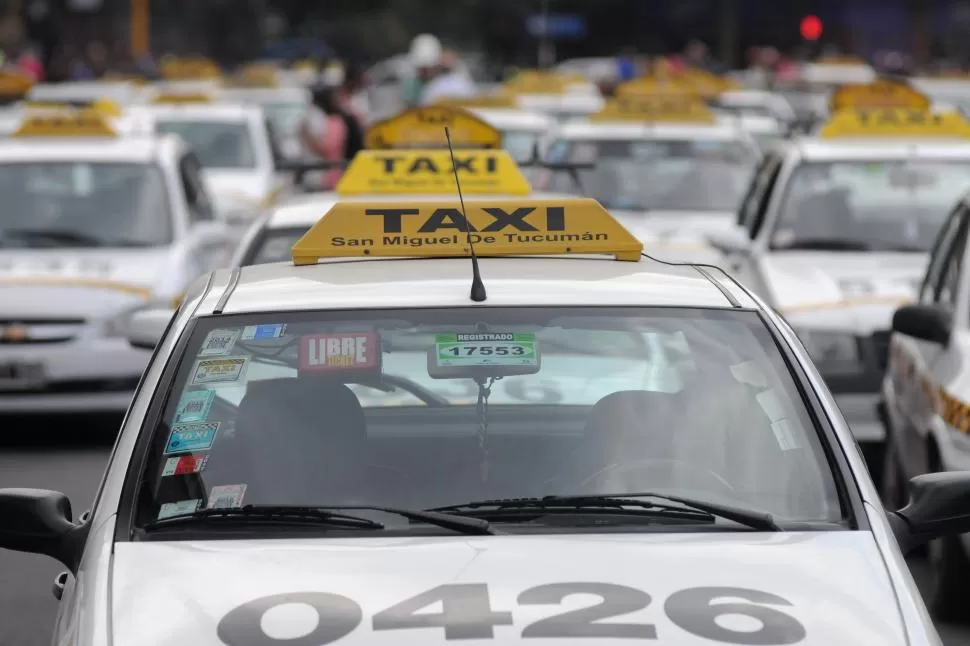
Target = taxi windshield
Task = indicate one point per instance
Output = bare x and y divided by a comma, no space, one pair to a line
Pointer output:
656,175
218,144
520,143
285,117
83,204
273,245
869,205
422,408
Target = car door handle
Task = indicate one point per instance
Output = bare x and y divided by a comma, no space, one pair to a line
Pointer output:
59,582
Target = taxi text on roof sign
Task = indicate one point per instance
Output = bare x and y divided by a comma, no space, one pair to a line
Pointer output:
498,228
883,93
890,122
425,128
674,108
413,172
80,124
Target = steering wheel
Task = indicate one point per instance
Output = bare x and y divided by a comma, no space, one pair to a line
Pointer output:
706,476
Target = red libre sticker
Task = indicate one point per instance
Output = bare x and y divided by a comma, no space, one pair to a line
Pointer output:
344,351
184,465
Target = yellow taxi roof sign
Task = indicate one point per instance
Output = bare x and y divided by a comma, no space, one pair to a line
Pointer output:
669,108
189,68
646,85
500,227
14,83
78,124
425,128
430,172
181,97
542,82
882,93
895,122
259,75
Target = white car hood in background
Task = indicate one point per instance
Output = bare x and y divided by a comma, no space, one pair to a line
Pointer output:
856,291
50,282
833,584
676,236
237,189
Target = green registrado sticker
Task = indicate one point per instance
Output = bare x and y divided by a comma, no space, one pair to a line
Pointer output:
486,349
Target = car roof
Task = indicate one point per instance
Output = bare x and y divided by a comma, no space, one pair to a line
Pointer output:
284,93
813,148
515,119
305,210
378,283
619,130
136,148
230,112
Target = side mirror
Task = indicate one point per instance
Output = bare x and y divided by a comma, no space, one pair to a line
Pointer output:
731,240
939,506
39,521
923,322
146,327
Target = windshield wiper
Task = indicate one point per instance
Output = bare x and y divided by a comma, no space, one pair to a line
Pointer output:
56,236
294,515
827,244
616,503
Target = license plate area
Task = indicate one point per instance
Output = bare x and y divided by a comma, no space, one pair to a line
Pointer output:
21,375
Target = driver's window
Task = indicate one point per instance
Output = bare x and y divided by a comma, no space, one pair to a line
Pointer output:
940,256
757,192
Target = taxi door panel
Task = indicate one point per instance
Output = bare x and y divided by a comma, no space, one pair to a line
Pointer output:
924,367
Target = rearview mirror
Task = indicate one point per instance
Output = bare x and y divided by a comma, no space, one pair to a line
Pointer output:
939,506
39,521
923,322
147,327
731,240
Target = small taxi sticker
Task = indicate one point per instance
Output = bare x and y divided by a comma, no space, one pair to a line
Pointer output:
671,108
343,351
184,465
77,124
432,172
425,128
882,93
500,227
895,123
186,438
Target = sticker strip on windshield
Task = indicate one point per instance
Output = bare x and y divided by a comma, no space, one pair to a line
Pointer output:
226,496
219,342
219,370
486,349
180,508
194,406
186,438
184,465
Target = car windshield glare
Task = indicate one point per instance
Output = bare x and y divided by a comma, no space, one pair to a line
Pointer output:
432,407
218,144
83,204
655,175
869,205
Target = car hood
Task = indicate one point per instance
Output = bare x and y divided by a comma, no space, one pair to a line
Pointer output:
859,291
68,283
676,236
237,189
833,584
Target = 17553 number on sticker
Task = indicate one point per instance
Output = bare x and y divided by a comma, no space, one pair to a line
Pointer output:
467,613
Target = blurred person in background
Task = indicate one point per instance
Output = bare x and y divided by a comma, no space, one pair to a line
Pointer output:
424,57
698,56
97,58
451,80
626,65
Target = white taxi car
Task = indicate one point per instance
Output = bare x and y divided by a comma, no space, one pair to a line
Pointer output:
95,226
234,144
284,107
270,485
668,168
523,131
834,234
925,393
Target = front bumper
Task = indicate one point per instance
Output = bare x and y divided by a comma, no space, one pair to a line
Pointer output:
84,375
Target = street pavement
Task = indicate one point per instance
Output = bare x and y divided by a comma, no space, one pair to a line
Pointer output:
74,465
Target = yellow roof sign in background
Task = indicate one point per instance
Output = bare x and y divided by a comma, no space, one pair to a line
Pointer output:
430,172
669,108
190,68
500,227
79,124
883,93
14,83
425,128
182,97
895,122
501,100
543,82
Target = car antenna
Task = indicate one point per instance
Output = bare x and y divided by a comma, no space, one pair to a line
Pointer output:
478,287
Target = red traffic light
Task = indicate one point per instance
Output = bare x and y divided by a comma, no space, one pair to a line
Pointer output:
811,28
